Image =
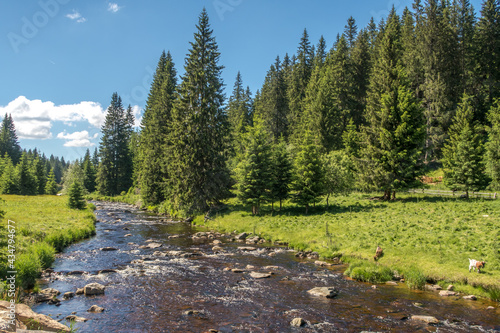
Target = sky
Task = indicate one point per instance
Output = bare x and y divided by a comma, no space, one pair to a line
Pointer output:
61,60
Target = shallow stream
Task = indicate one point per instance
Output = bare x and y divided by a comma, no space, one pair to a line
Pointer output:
154,289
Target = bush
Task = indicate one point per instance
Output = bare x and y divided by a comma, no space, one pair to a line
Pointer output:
44,252
28,269
414,278
76,200
368,272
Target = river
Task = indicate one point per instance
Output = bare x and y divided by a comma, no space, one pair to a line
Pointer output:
153,290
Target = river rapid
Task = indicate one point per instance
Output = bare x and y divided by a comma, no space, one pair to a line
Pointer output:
186,286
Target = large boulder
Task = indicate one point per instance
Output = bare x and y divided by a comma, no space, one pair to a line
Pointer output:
95,308
242,236
32,320
257,275
297,322
328,292
93,289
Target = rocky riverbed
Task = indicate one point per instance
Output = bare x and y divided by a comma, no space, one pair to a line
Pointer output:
144,273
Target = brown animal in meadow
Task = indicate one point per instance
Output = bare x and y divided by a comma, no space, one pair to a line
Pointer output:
475,264
378,253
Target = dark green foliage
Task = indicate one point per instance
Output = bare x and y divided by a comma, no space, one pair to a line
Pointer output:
393,139
272,105
26,177
155,140
281,172
338,173
199,176
488,52
493,146
254,174
8,181
51,187
308,172
8,140
463,152
239,108
115,168
41,175
75,196
89,173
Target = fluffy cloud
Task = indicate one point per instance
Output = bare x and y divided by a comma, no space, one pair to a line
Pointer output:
76,16
34,118
113,7
77,139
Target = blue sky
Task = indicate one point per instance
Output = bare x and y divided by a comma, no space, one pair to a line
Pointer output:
61,60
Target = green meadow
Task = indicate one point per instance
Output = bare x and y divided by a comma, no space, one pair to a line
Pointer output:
44,225
423,237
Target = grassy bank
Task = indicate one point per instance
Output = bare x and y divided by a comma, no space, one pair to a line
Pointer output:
44,225
422,237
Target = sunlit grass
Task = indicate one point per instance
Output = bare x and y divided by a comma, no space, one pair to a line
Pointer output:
433,236
44,225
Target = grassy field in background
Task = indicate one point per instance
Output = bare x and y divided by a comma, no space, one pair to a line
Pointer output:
44,225
421,235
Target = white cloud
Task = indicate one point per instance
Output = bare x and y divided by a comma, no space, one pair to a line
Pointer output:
77,139
34,118
113,7
76,16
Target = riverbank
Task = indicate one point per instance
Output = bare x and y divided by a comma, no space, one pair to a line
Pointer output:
43,225
423,238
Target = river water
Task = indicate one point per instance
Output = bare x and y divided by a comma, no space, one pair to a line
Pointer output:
153,292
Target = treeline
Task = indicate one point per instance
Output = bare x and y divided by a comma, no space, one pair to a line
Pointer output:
26,172
373,112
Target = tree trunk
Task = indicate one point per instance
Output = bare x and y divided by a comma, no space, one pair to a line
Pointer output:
387,195
327,197
280,205
307,209
272,206
393,195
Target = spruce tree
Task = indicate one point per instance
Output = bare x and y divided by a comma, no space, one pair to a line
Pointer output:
298,80
254,176
239,108
115,168
51,185
308,172
200,177
75,196
493,146
40,172
281,172
89,172
8,140
155,151
9,181
338,173
463,152
393,137
488,52
272,107
361,63
26,176
350,32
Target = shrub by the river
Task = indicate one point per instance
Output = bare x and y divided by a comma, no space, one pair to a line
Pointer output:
366,271
75,196
414,278
28,269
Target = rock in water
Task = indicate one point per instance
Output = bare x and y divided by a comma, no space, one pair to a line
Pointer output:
328,292
257,275
76,319
93,289
426,319
243,235
95,308
447,293
108,248
297,322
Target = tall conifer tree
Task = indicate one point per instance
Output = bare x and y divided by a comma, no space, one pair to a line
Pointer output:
199,175
8,140
155,140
